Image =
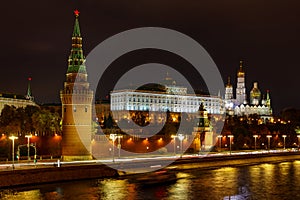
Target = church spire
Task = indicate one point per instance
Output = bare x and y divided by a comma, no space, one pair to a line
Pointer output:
228,82
76,58
241,72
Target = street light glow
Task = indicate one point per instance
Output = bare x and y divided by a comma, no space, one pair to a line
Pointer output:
181,137
255,137
230,136
28,147
220,141
113,137
13,138
284,136
269,137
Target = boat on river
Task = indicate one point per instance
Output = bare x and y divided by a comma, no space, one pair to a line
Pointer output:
156,178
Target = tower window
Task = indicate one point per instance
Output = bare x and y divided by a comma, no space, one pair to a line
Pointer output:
74,108
65,109
86,109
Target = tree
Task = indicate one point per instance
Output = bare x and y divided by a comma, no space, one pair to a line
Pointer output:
46,123
10,121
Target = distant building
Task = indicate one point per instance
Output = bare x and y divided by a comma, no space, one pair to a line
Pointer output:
240,106
17,100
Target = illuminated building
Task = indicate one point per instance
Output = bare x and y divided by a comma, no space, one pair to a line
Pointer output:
240,106
76,98
162,98
17,100
241,88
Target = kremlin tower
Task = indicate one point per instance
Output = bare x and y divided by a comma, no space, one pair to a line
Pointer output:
76,98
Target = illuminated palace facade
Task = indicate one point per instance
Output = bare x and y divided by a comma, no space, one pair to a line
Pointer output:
172,98
239,106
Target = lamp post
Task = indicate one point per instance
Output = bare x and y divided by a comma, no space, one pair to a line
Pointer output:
255,137
113,138
298,136
28,147
119,144
220,141
230,138
174,138
13,150
269,138
284,136
181,137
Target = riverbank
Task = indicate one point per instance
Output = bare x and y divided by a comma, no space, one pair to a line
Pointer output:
55,174
73,172
234,161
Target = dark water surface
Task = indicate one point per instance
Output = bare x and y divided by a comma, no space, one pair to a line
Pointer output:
264,181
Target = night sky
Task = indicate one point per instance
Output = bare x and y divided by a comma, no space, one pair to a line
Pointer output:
36,39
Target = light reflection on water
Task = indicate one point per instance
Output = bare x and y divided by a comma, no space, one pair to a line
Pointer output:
263,181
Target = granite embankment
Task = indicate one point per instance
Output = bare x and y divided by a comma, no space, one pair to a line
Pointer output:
55,174
235,161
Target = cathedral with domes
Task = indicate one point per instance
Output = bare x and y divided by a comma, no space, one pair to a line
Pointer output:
258,104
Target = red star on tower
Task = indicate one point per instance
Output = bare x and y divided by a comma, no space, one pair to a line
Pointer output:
76,12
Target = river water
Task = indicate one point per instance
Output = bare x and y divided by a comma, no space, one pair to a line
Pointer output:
264,181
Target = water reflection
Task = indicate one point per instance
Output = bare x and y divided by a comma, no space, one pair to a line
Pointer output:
23,195
263,181
180,190
115,189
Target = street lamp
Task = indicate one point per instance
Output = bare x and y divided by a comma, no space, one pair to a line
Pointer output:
28,147
119,144
113,138
298,136
230,138
269,137
284,136
181,137
13,150
255,137
174,138
220,141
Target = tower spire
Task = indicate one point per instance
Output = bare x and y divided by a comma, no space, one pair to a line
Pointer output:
268,101
76,31
29,93
228,82
241,72
76,58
